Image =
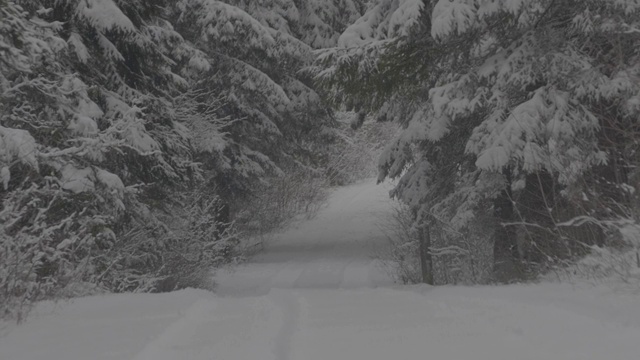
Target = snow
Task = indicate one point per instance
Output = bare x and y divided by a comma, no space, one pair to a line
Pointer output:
110,180
81,51
138,138
105,15
404,17
15,145
386,19
99,328
631,233
77,180
84,180
451,16
334,250
316,293
83,125
5,176
199,62
109,49
86,111
223,22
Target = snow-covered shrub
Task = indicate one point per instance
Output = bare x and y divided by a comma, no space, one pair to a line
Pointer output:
204,239
606,264
191,237
462,258
18,276
353,155
277,201
613,265
617,261
457,257
401,259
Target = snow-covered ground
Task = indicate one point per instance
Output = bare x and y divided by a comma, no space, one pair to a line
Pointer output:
316,293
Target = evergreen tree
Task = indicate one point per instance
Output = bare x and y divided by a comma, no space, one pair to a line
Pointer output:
120,118
507,106
91,142
257,50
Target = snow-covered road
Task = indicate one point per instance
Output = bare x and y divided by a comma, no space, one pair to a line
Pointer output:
333,250
316,294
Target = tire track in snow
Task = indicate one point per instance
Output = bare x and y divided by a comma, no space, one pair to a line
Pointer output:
157,349
289,304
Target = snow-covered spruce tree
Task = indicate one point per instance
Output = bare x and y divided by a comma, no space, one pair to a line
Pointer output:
250,65
357,74
322,22
89,145
316,23
385,64
516,99
257,49
546,92
23,44
277,124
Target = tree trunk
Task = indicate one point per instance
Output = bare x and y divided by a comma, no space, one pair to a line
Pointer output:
426,262
505,251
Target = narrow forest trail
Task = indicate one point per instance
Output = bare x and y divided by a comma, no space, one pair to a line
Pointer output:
317,294
335,249
263,306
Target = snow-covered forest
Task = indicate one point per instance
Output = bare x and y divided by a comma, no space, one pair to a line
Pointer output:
521,139
145,142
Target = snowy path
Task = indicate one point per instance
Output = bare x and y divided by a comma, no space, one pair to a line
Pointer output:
316,294
333,250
